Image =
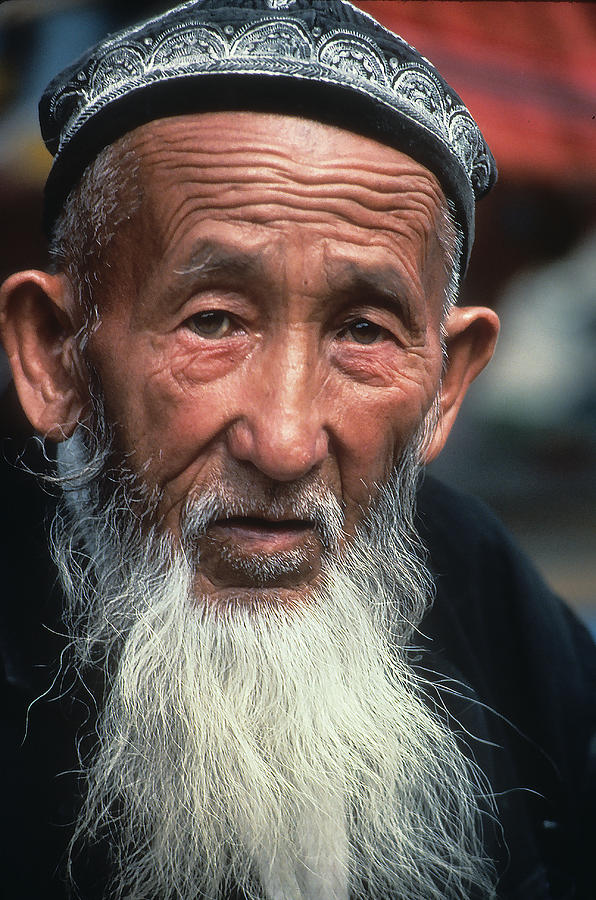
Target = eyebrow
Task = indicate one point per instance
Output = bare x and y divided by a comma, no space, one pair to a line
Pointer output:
380,285
210,256
351,281
213,259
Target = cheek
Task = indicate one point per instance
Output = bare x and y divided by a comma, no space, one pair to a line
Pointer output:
373,435
375,428
181,431
165,413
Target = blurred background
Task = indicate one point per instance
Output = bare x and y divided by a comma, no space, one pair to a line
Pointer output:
526,440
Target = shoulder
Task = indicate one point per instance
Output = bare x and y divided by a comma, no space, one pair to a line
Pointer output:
495,615
487,584
521,656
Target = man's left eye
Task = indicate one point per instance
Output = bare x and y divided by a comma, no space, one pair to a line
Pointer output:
210,324
362,331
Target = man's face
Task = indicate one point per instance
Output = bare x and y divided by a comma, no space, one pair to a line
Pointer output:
271,320
267,348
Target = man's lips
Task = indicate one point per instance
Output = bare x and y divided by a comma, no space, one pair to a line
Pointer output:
258,551
257,534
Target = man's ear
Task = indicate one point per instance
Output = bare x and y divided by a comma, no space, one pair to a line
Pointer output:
38,328
471,335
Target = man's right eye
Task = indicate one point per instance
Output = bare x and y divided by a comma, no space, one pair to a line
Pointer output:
210,324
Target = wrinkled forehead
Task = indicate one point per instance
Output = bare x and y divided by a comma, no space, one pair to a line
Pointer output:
258,166
266,185
303,140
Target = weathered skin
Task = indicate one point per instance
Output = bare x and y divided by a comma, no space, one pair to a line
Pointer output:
252,367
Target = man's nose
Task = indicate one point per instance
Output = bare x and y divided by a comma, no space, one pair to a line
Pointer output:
282,429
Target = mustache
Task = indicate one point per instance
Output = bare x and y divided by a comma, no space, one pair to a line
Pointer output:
310,501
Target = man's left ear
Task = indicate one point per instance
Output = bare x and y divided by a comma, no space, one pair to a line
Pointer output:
471,336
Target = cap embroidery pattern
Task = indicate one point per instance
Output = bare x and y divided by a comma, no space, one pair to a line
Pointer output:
270,46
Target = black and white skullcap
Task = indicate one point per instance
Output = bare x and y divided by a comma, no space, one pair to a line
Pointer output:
323,59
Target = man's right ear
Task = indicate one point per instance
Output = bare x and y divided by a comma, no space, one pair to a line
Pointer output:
38,327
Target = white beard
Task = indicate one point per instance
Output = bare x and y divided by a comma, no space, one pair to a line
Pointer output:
287,752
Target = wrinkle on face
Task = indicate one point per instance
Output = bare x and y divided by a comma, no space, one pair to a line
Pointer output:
292,228
240,180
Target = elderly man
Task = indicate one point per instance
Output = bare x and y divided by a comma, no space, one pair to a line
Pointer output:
246,348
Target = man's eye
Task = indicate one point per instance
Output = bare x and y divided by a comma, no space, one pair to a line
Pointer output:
210,324
362,332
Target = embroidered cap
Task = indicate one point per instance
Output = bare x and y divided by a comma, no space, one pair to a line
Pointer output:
323,59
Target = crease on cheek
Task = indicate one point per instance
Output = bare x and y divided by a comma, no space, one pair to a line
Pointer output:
417,386
386,369
182,372
163,389
370,448
370,373
328,390
396,407
189,372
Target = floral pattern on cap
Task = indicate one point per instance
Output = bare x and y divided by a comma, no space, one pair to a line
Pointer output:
268,44
327,44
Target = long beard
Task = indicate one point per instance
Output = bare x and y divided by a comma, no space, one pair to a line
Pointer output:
286,752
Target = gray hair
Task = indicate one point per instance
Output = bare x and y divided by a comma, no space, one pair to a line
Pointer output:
106,197
452,241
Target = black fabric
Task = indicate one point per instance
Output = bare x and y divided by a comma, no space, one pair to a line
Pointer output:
521,667
531,670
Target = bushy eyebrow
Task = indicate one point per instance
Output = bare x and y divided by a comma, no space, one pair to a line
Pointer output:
377,285
212,260
211,257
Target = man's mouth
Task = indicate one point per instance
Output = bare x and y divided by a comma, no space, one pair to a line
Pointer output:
255,534
257,542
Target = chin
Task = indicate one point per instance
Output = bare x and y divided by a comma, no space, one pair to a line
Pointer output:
255,598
